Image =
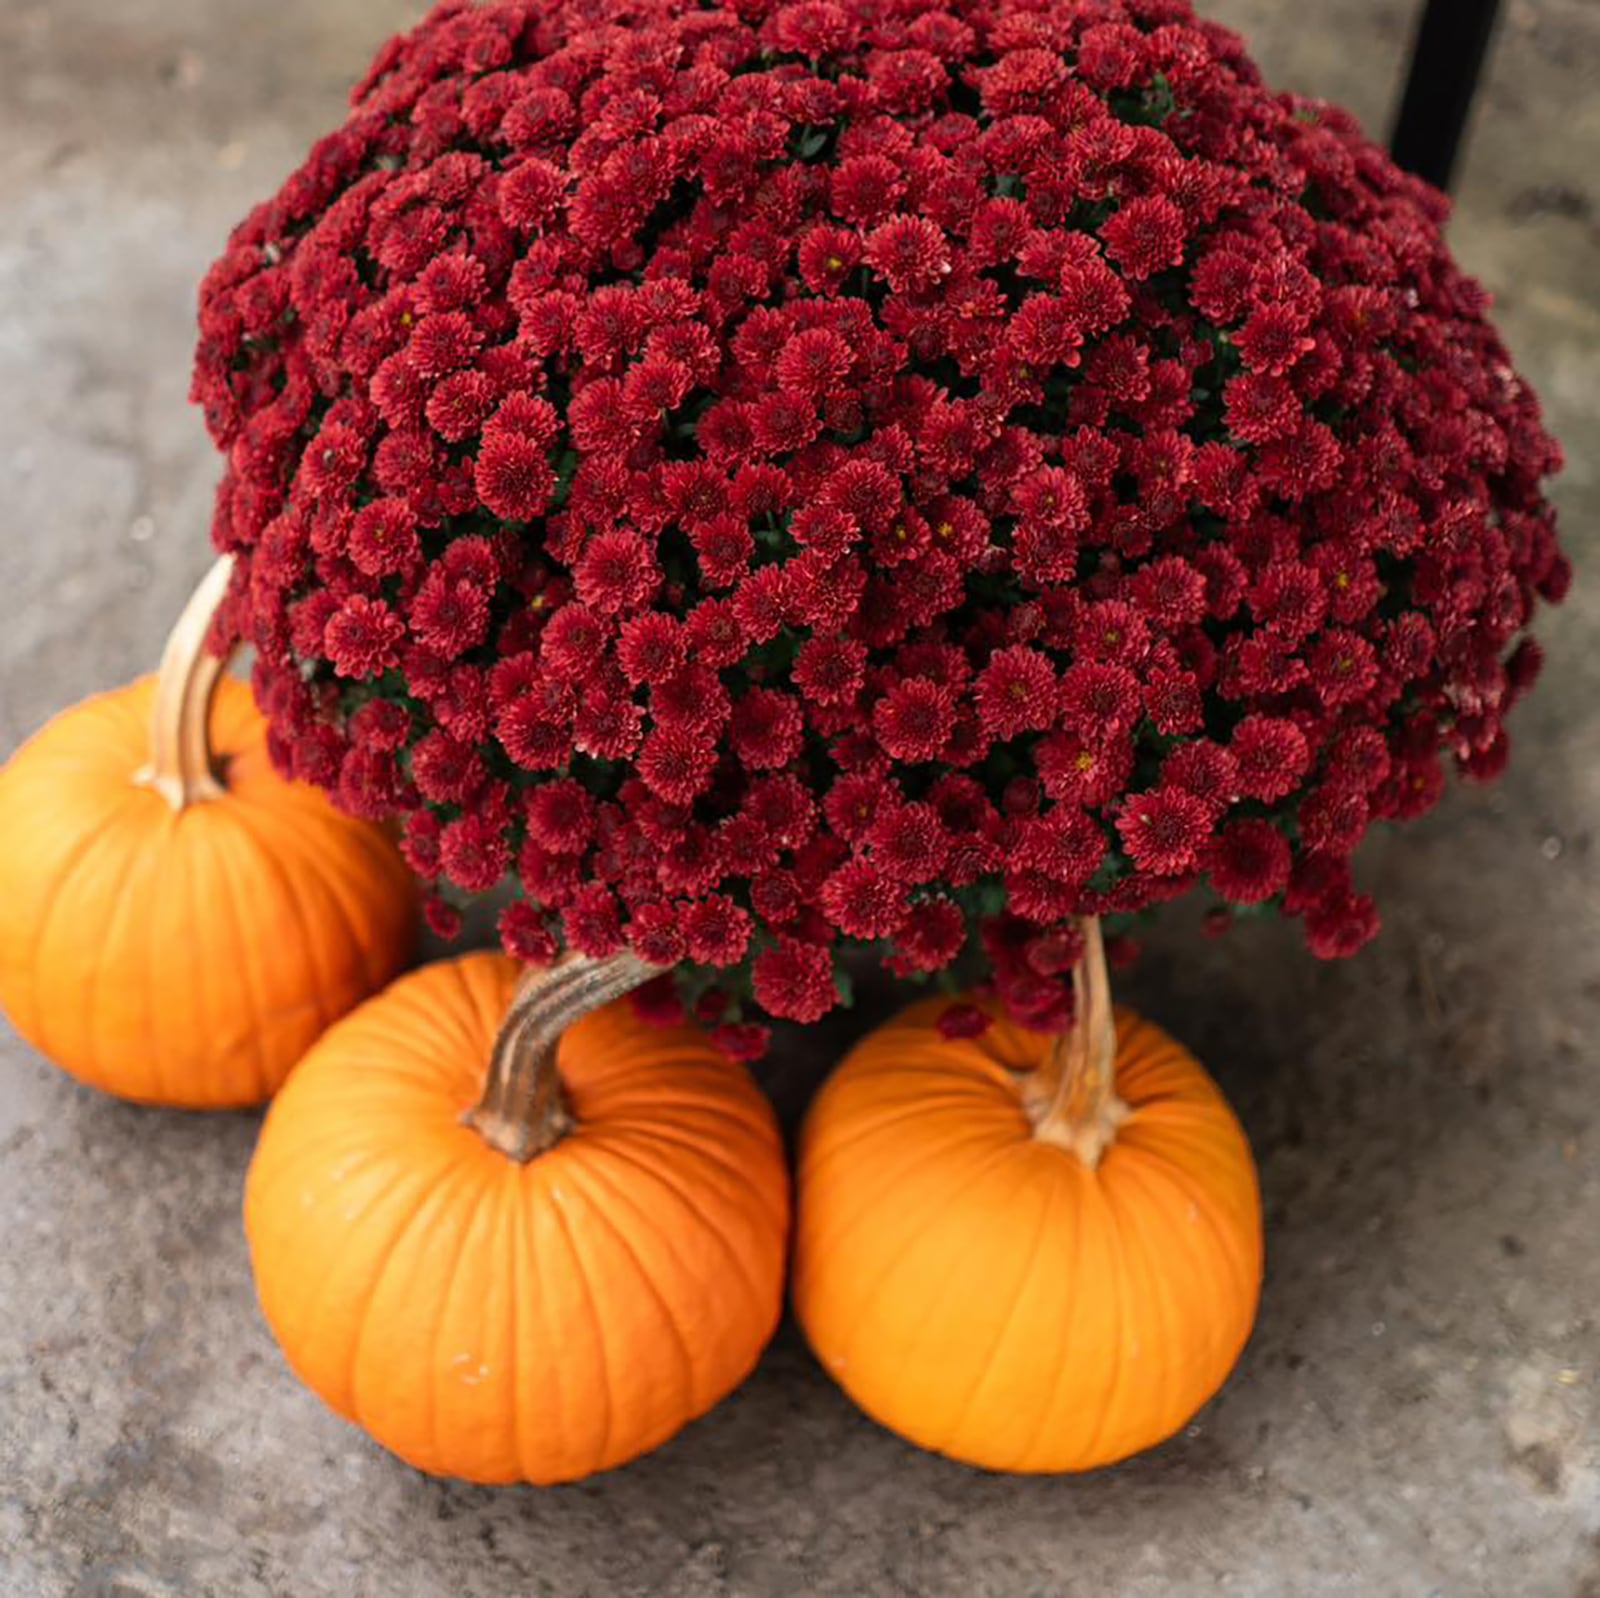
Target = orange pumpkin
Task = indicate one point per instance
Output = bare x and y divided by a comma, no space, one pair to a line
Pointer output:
1028,1255
177,923
545,1282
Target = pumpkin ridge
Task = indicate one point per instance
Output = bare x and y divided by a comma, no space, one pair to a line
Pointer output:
1197,1135
309,945
359,939
1156,1298
345,1404
978,1073
891,1115
1232,1249
696,1213
715,1112
332,873
596,1320
380,1059
1220,1353
68,869
246,1046
1179,1183
530,1252
704,1153
508,1202
485,1000
632,1099
592,1172
524,1262
1007,1322
462,1242
223,863
151,962
130,862
929,1223
815,1159
433,1192
192,900
1109,1392
1061,1362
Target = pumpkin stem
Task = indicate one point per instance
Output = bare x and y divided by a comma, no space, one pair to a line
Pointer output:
1072,1099
181,768
523,1110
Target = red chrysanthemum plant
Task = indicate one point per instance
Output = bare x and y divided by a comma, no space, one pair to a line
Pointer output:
770,480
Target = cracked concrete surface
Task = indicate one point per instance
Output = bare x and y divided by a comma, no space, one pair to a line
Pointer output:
1419,1411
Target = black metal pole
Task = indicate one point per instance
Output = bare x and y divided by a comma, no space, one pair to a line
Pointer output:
1452,40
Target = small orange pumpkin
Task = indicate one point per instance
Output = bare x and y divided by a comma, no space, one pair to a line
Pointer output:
541,1284
177,922
1028,1255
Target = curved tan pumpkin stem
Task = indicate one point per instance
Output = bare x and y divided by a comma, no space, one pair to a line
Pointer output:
181,769
523,1110
1073,1097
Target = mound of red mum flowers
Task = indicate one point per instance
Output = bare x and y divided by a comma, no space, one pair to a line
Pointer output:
766,479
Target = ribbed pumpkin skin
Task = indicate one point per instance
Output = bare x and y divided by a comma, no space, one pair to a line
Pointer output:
499,1321
190,957
985,1294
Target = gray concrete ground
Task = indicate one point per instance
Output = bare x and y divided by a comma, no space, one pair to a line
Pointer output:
1419,1411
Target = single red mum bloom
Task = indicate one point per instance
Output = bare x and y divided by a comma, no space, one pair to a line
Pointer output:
914,719
655,933
457,407
1163,830
963,1021
449,615
1274,338
383,538
442,343
1340,927
1261,406
1206,770
931,936
676,764
561,816
592,921
855,802
360,637
862,901
909,843
1064,845
527,935
1145,236
830,671
767,729
617,573
536,738
1248,862
742,1040
1333,817
910,252
1270,756
1016,692
473,853
716,930
1099,700
445,769
531,194
794,980
513,477
814,363
650,647
1343,666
